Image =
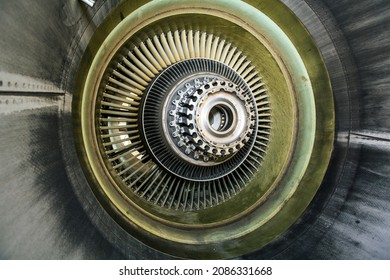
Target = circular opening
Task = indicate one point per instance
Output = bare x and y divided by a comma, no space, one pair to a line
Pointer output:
220,118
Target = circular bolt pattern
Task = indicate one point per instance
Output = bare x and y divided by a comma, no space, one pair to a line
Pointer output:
214,121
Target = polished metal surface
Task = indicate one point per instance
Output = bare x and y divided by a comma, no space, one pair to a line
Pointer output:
48,209
223,119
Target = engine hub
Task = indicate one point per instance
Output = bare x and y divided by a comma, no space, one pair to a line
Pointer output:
218,118
206,115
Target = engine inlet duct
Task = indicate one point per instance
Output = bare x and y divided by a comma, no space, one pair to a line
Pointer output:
199,125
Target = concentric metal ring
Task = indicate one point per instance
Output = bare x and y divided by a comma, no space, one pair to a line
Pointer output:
224,119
